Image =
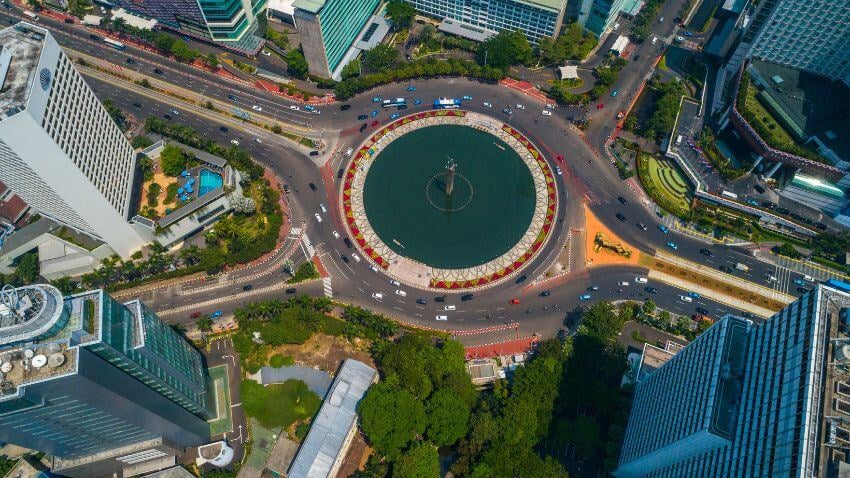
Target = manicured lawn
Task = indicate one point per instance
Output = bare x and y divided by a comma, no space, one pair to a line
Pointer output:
766,119
665,184
280,404
223,422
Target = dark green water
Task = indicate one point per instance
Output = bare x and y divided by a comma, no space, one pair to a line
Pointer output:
487,214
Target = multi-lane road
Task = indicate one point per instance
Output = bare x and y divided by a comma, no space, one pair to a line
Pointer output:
589,178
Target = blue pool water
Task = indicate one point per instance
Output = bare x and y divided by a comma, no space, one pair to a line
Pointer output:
209,180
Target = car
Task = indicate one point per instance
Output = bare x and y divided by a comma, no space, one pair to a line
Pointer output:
335,234
514,301
401,107
318,217
799,281
623,283
257,108
680,39
344,258
232,98
312,186
545,293
373,268
651,290
654,40
247,287
689,34
294,108
672,245
521,279
661,20
345,107
685,298
584,297
394,116
166,116
323,207
442,318
362,117
411,88
310,108
558,170
223,129
467,97
768,205
449,307
355,256
642,226
663,228
417,102
507,111
157,71
593,288
217,313
258,141
195,315
599,106
550,106
759,188
137,104
373,113
440,298
808,278
641,280
363,127
339,173
487,105
782,210
421,301
377,296
266,53
693,295
702,311
234,142
559,158
131,61
706,252
622,200
615,93
401,293
377,99
395,283
94,37
175,112
347,242
621,217
546,113
466,297
520,107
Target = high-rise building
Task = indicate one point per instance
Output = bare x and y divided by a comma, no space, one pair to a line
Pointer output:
750,401
597,15
813,36
59,149
231,23
101,386
535,18
328,29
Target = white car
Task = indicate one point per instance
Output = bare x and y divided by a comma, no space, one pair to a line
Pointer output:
318,217
322,207
234,142
808,278
336,234
442,318
377,295
349,151
654,40
449,307
258,140
257,108
488,105
546,113
175,112
685,298
772,278
550,106
520,107
355,257
267,53
623,283
374,269
401,293
641,280
395,283
294,108
558,169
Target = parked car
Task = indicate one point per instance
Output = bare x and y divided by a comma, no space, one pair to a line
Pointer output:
394,116
466,297
401,293
615,92
442,318
440,298
584,297
421,301
377,296
195,315
546,113
395,283
318,217
411,88
622,200
467,97
216,314
799,281
373,113
417,102
362,117
345,107
693,294
377,99
487,105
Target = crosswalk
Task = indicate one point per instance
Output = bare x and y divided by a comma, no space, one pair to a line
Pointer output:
326,284
783,279
309,250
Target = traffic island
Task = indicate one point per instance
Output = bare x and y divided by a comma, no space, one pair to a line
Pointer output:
603,247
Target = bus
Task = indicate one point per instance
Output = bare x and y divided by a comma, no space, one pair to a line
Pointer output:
446,103
393,102
31,15
115,44
728,194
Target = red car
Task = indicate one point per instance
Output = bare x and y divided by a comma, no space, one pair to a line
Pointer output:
375,123
514,301
560,158
600,106
195,315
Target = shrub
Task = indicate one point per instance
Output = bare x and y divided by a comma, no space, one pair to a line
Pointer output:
153,194
279,360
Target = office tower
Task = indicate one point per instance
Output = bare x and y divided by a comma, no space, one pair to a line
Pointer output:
746,400
59,149
535,18
228,22
101,386
328,29
813,36
597,15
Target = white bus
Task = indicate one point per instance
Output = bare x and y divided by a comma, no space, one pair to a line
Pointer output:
393,102
729,194
31,15
115,44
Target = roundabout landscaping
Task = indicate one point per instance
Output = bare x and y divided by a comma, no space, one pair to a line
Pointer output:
428,230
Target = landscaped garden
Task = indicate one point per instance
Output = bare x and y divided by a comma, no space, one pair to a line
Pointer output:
665,184
279,404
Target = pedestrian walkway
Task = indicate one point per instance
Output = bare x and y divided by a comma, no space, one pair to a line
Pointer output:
525,88
517,346
812,269
328,289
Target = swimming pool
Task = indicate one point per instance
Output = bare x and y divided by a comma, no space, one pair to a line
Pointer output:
209,180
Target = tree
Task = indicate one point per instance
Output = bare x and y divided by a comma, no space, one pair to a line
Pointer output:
504,49
204,323
601,321
296,64
351,70
391,417
379,57
141,141
28,268
447,418
173,160
648,306
401,13
65,285
788,250
182,51
419,461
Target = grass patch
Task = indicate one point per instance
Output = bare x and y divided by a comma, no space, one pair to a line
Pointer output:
171,193
280,360
765,118
306,271
665,184
333,326
280,404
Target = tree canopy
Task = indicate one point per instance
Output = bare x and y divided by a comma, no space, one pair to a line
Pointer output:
447,417
391,417
504,49
296,64
400,13
419,461
173,160
381,56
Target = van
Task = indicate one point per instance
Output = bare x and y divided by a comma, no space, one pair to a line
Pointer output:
678,140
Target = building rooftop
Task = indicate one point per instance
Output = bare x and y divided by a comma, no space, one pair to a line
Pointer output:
328,433
29,312
312,6
466,31
20,49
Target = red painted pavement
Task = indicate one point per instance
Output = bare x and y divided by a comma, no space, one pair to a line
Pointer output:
508,347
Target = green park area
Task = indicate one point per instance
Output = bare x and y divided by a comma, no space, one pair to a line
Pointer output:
279,405
764,118
665,184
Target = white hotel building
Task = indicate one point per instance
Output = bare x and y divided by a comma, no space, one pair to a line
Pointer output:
59,149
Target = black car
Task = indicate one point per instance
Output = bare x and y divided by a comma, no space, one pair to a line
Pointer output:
421,301
232,98
137,104
345,107
340,173
466,297
223,129
131,61
545,293
621,217
344,258
521,279
796,216
651,290
247,287
362,117
401,107
702,311
820,226
286,188
768,205
706,252
166,116
69,21
362,128
94,37
157,71
440,298
725,268
291,290
314,153
759,188
622,200
313,186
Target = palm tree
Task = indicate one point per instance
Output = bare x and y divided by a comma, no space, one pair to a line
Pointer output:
309,319
323,304
204,323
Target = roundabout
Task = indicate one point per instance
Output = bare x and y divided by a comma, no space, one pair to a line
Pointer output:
449,200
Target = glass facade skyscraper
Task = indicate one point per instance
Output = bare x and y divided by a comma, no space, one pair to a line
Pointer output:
747,400
111,376
597,15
